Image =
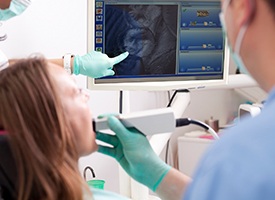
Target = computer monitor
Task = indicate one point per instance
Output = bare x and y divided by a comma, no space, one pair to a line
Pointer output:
172,44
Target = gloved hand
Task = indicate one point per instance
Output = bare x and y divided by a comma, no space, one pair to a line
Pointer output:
96,64
134,153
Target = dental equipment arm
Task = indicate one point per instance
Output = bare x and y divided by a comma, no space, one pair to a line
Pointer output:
150,122
134,153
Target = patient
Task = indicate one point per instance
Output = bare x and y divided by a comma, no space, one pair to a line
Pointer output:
46,122
46,126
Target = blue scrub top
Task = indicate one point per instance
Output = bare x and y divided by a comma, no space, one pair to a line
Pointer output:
241,165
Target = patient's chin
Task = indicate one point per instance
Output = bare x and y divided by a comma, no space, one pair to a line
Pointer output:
91,148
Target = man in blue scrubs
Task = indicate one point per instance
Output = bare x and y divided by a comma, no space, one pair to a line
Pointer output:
241,165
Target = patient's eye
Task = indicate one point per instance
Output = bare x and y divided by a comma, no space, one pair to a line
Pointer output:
83,93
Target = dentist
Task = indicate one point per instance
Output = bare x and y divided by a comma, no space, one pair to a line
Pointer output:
240,166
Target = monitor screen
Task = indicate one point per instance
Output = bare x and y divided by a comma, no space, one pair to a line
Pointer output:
172,44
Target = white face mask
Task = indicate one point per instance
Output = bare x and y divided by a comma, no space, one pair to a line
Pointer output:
235,53
16,8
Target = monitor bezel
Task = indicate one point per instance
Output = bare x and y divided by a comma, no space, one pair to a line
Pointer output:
156,85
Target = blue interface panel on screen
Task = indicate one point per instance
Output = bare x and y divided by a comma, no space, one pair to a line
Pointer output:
171,44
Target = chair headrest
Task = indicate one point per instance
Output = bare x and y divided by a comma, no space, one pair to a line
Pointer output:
8,173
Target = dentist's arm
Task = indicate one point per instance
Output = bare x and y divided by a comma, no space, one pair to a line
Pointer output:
93,64
134,153
173,185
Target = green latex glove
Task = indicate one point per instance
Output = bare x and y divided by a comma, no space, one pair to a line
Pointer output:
96,64
134,153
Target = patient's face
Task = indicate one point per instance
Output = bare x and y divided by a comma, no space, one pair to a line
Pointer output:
76,107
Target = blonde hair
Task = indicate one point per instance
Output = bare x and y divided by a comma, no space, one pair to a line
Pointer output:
40,136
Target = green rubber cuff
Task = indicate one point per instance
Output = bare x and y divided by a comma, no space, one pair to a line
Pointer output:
155,187
76,65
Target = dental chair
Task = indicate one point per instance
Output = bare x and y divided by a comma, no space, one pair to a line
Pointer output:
8,173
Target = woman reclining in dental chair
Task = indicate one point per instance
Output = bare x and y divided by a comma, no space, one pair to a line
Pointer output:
45,127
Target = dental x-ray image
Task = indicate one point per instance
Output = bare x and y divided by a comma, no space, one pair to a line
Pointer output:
147,32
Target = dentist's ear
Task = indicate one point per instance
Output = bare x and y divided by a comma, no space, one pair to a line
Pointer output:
249,11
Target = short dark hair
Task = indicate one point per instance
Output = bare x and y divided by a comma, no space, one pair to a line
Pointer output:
271,4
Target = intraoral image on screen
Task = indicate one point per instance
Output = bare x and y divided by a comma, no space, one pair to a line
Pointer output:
166,40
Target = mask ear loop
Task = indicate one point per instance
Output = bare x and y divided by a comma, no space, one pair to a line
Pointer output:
239,39
26,3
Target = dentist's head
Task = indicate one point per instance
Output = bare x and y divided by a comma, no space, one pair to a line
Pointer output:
236,34
250,28
12,8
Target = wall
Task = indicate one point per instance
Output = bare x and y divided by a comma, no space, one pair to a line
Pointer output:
55,27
